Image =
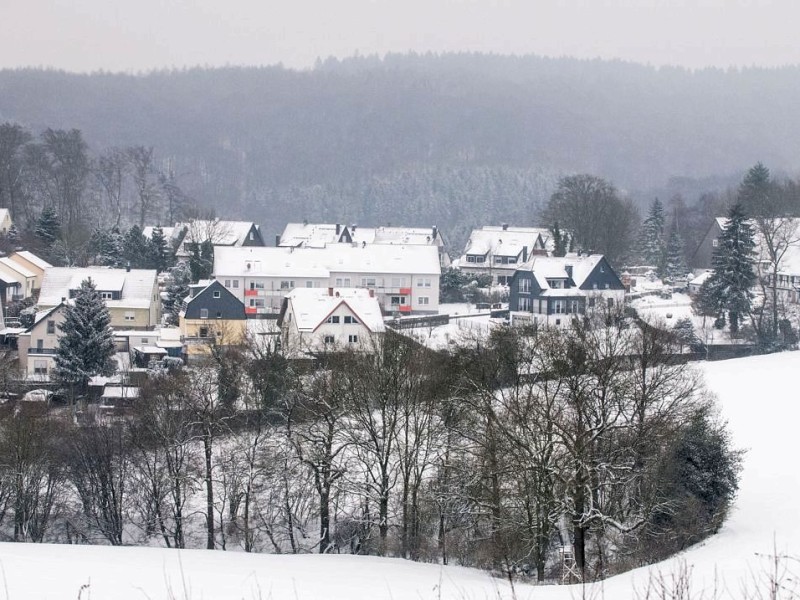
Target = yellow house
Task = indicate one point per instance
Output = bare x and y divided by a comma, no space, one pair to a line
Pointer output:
32,263
212,315
131,295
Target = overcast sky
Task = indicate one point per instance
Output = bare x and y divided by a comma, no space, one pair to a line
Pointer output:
134,35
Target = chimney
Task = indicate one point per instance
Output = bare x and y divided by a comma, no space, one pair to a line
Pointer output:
434,231
363,244
330,291
524,254
371,293
128,267
504,226
353,228
338,229
277,239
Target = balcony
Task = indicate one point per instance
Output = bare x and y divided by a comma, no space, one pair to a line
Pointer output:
42,350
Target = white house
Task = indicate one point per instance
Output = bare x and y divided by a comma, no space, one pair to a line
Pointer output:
404,279
319,320
37,346
498,250
319,235
219,233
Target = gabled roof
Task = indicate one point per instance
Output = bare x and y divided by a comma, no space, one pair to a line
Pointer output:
546,268
308,262
505,241
44,314
32,258
311,307
318,235
15,266
220,233
135,286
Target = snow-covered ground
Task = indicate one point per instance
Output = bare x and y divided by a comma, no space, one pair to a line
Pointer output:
756,397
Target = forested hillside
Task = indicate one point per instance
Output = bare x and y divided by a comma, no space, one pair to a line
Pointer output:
453,140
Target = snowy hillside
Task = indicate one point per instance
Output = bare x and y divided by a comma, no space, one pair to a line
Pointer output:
757,396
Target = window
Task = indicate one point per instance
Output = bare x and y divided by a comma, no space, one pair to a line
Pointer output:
423,300
256,285
40,345
203,313
591,302
608,286
106,295
424,283
524,303
397,300
524,286
602,268
309,284
203,332
217,294
573,307
333,319
257,303
559,307
130,315
398,282
145,340
227,283
350,320
235,283
40,367
594,286
219,315
610,303
51,327
339,282
368,282
329,339
498,260
715,243
352,339
287,285
252,236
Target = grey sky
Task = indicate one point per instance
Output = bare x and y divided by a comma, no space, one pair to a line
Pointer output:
83,35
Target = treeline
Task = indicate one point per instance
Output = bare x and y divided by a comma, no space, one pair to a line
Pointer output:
66,201
410,134
501,455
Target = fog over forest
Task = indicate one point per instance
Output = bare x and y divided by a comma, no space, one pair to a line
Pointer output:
455,140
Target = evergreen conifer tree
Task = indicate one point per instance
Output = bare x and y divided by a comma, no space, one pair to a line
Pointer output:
86,345
177,290
201,261
675,262
560,241
48,229
729,288
158,251
651,237
135,248
755,193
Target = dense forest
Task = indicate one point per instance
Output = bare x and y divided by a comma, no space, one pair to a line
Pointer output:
455,140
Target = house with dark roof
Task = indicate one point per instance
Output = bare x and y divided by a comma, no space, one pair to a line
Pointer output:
211,315
550,290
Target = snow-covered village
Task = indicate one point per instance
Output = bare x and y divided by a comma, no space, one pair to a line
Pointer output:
444,300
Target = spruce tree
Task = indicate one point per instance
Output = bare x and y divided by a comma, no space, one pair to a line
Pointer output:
135,248
86,346
675,263
158,251
201,261
560,240
48,229
651,237
755,193
177,290
730,285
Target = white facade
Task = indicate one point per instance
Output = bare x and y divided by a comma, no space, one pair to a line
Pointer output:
38,345
404,279
325,320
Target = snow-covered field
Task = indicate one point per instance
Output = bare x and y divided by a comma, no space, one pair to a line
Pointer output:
757,397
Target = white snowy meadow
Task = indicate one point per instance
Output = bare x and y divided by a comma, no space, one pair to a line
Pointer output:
756,397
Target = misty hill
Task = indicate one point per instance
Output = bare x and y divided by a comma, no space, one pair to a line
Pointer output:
454,140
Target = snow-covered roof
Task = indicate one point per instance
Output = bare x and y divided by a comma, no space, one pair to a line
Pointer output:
555,267
150,350
120,391
220,233
168,232
508,241
701,279
32,258
135,286
317,235
321,262
312,306
15,266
